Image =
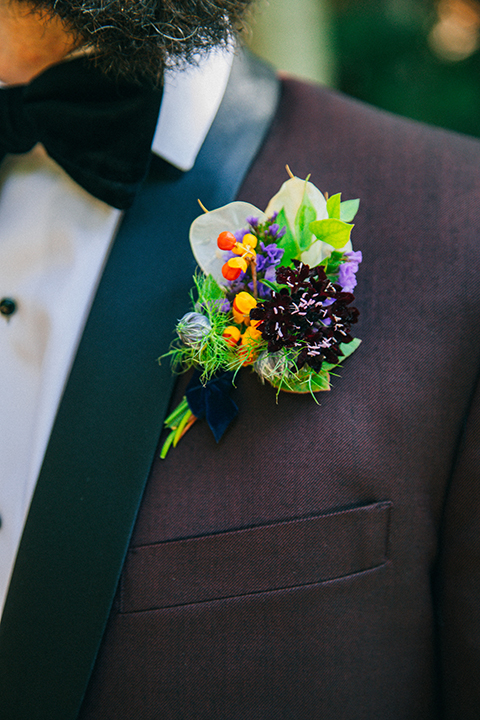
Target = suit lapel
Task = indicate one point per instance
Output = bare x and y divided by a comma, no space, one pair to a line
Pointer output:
110,419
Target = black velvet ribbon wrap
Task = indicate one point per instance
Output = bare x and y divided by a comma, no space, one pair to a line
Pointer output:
212,401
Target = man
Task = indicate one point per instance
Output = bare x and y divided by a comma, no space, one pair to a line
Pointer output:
320,561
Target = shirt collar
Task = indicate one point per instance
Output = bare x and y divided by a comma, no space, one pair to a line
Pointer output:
191,98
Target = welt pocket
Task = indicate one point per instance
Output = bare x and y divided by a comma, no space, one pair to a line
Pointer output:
258,559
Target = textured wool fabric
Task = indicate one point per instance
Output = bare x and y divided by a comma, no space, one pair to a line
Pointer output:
292,570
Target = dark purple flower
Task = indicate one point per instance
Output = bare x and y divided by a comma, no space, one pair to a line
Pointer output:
301,319
252,221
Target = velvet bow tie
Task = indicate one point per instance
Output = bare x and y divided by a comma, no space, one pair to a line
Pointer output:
99,129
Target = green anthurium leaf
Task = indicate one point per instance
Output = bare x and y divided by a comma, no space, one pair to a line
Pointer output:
305,381
333,206
348,209
334,232
287,242
306,214
347,349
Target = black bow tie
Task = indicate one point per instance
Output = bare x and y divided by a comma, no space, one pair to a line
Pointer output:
98,129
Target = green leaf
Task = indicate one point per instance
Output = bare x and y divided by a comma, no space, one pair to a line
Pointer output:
287,242
348,209
305,381
332,262
347,349
272,285
334,206
306,214
334,232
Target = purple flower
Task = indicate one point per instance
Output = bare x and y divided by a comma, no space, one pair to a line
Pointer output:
270,273
274,253
264,291
347,271
252,221
240,234
296,318
261,262
224,305
355,258
346,277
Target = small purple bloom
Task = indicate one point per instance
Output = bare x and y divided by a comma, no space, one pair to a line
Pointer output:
270,273
261,262
354,257
274,253
224,305
252,221
346,276
263,291
240,234
276,231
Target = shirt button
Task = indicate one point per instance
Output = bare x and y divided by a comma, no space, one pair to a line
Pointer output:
7,307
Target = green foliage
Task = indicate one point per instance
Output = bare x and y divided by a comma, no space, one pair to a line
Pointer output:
333,206
332,264
348,209
306,214
347,349
287,242
334,232
303,381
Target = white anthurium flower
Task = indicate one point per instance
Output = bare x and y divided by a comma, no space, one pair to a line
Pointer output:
289,198
205,230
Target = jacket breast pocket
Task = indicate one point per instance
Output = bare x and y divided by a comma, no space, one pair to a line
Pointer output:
279,556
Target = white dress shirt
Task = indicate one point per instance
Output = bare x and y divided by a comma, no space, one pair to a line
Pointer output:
54,240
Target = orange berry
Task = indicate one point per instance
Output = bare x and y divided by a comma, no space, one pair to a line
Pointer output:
230,273
232,335
226,241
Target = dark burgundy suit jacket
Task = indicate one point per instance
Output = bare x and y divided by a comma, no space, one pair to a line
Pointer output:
322,562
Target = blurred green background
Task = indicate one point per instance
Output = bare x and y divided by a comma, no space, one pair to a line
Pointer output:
419,58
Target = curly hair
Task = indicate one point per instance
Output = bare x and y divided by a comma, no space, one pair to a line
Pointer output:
137,39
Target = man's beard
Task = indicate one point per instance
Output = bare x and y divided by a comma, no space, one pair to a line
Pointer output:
137,39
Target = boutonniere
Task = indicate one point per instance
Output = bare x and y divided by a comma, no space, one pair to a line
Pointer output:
273,293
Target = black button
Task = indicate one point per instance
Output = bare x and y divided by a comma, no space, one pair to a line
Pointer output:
7,306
